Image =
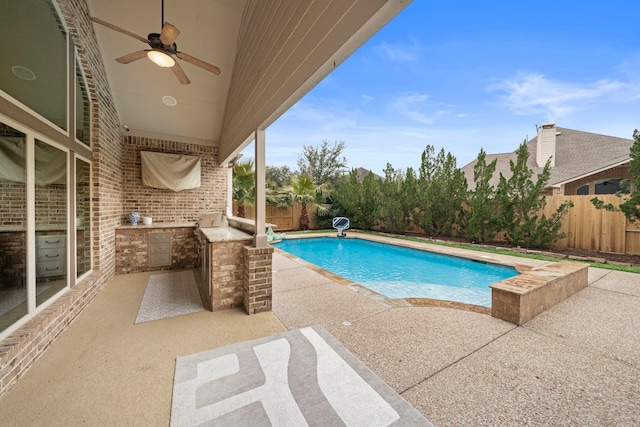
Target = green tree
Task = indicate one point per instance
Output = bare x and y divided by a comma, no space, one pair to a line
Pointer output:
325,165
521,199
397,203
483,223
631,206
243,184
278,176
443,194
305,192
359,201
279,197
390,212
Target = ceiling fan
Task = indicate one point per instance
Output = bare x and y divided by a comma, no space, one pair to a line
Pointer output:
163,49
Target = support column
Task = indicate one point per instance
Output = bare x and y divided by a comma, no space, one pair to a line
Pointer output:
257,282
229,205
260,233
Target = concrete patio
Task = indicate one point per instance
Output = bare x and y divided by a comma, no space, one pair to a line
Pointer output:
576,364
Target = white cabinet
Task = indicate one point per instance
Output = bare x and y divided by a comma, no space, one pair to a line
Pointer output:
160,249
51,255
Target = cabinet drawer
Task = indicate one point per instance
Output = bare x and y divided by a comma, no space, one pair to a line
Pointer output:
160,248
159,238
52,254
46,242
51,268
157,260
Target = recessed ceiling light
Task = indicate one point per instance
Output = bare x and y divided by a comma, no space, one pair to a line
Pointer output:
169,100
23,72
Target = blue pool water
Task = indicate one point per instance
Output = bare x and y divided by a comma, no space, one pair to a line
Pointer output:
398,272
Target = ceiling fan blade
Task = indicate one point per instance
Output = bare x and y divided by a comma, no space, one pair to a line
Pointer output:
169,34
198,62
118,29
132,57
179,73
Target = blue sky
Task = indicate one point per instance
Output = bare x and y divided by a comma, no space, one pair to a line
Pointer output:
462,75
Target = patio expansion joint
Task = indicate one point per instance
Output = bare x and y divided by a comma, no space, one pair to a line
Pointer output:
595,282
560,339
303,287
455,362
611,291
367,316
601,277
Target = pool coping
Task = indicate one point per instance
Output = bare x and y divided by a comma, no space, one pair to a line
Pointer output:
401,302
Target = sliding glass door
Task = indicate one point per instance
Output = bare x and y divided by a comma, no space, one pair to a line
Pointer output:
13,228
51,201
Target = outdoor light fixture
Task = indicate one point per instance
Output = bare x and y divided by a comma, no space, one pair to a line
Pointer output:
161,58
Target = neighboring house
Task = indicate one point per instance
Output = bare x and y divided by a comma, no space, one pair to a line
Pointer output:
362,173
73,124
581,162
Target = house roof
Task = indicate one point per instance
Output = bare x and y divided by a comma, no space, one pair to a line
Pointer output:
362,173
578,154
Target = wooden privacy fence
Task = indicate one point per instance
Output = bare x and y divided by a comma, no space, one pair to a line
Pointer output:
588,228
285,218
595,229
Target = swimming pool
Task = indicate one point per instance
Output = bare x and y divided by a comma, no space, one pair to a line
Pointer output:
399,272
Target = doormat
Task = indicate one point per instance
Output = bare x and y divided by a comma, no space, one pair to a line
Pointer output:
169,295
303,377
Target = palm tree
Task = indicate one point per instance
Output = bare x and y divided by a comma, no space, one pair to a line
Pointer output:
305,192
244,185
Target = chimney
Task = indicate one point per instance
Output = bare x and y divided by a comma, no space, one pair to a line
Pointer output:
546,144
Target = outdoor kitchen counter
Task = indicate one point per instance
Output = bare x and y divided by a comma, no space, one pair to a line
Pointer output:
224,234
157,225
136,246
222,265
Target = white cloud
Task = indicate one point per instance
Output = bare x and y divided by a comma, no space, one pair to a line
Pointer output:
401,52
535,94
414,107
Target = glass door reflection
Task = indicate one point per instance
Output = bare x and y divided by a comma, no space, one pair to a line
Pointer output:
51,220
13,226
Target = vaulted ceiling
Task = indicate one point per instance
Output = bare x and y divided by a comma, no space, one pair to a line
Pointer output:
270,53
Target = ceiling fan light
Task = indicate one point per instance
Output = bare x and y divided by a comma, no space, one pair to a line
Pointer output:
161,58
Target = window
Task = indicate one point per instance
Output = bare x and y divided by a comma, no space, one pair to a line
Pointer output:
609,186
38,63
583,190
83,217
13,231
51,218
82,107
45,200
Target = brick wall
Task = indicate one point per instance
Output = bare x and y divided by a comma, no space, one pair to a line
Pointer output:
167,205
13,199
258,279
226,270
132,249
619,172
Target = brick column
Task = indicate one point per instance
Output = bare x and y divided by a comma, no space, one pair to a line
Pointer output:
258,280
